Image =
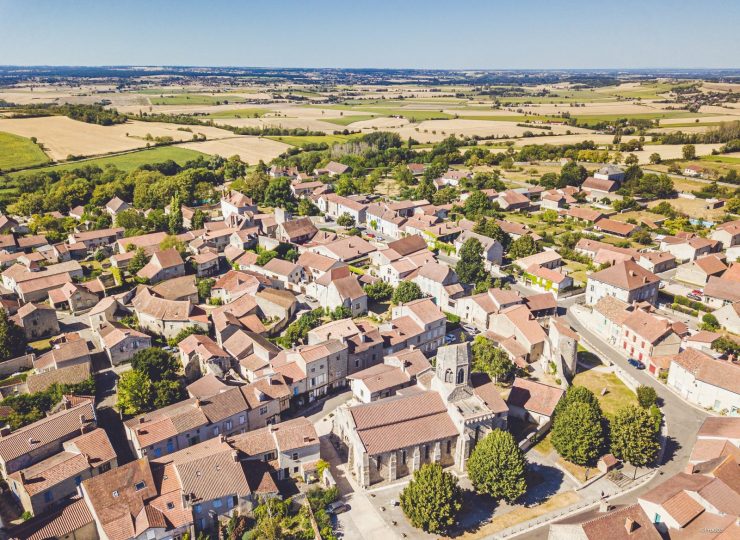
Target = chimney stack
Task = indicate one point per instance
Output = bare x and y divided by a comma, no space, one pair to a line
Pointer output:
630,525
235,456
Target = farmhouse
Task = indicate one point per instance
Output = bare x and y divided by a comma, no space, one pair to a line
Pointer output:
627,281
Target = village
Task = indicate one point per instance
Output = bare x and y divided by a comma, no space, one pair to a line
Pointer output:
157,385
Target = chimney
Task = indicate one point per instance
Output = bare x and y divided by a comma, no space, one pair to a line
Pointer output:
23,476
197,402
5,430
306,439
142,419
630,525
66,404
235,456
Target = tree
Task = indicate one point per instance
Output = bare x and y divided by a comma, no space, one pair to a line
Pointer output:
199,219
406,291
549,216
171,241
12,338
345,220
185,332
655,158
279,194
174,222
380,291
578,394
134,393
709,322
688,151
432,499
265,257
524,246
204,287
155,363
497,467
167,392
425,190
476,205
572,174
646,396
470,267
307,208
726,345
234,168
487,358
491,229
578,434
634,437
138,261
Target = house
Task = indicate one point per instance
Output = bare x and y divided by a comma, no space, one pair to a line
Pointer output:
73,298
305,189
548,258
608,315
276,303
645,337
493,251
350,249
417,169
383,380
296,231
627,281
555,199
718,438
657,261
616,228
283,274
115,206
332,169
729,317
439,421
601,252
234,284
702,340
95,239
334,206
479,308
121,343
364,342
339,288
597,189
7,224
44,438
610,172
628,523
727,234
693,171
206,264
380,218
419,323
700,379
71,352
688,249
543,279
74,374
533,401
582,214
511,200
37,320
167,318
438,281
313,370
516,330
200,356
721,291
236,203
698,271
163,265
32,283
45,484
315,265
407,246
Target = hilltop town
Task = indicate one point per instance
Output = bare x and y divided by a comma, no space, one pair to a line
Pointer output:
380,314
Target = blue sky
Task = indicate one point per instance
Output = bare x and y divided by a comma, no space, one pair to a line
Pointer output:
493,34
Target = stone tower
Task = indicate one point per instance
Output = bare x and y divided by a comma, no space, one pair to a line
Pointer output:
453,365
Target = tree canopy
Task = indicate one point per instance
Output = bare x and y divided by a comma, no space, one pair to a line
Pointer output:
634,436
407,291
432,499
497,467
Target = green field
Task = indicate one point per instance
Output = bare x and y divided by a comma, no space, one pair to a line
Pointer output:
18,152
722,159
312,139
347,120
196,99
592,119
240,113
125,162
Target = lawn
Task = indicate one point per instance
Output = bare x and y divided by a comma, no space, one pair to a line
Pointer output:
128,161
722,159
577,271
196,99
617,395
18,152
240,113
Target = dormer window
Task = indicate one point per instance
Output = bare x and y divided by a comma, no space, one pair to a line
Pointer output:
115,494
138,486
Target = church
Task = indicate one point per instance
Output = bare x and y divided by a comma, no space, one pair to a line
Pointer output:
438,420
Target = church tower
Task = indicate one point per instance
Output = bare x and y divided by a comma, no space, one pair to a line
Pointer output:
453,365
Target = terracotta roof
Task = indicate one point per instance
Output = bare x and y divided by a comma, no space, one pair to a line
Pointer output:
615,524
159,308
724,289
285,299
534,396
540,302
615,227
719,373
281,267
315,261
720,427
56,522
402,421
176,288
349,248
114,333
599,184
647,325
206,386
485,389
381,377
294,434
711,264
37,382
299,227
627,275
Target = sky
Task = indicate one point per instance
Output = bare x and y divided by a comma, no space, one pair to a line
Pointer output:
431,34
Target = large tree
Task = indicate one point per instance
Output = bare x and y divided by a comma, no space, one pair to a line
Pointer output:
487,358
470,267
497,467
524,246
134,392
12,338
578,394
380,291
279,194
432,499
174,222
155,363
406,291
578,433
634,436
491,229
138,261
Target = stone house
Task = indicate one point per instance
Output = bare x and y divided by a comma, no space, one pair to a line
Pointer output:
121,343
37,320
72,297
627,281
163,265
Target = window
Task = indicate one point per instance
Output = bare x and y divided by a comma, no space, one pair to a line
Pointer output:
217,503
426,451
170,505
138,486
403,457
295,469
242,419
105,467
78,480
656,519
378,462
48,496
449,446
295,456
228,424
263,410
197,509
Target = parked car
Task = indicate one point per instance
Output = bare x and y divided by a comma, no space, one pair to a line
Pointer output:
337,507
310,299
634,362
693,296
470,329
450,338
697,292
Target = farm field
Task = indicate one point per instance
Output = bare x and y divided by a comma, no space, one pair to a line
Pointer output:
196,99
311,139
239,113
249,149
17,152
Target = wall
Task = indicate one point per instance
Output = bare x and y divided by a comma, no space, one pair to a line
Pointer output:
20,363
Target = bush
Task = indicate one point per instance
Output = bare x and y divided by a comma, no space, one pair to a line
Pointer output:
646,396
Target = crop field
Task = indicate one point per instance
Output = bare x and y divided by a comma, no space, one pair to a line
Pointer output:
196,99
249,149
126,162
311,139
18,152
350,119
239,113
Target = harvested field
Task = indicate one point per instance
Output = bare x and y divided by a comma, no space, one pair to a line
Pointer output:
62,136
282,122
672,151
694,208
249,149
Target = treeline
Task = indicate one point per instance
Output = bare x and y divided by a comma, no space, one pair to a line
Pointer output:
725,132
90,114
266,131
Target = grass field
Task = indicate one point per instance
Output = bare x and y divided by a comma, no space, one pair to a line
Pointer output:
592,119
240,113
195,99
722,159
347,120
17,152
617,394
311,139
125,162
